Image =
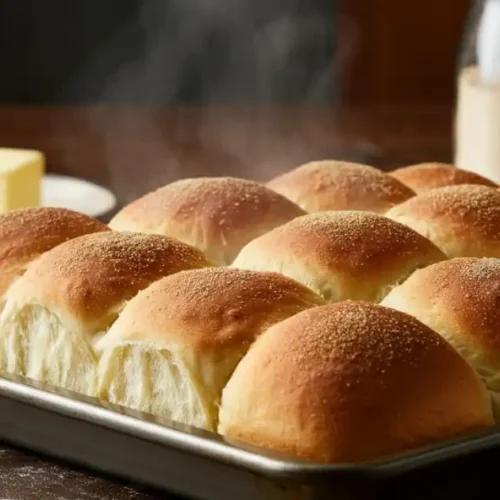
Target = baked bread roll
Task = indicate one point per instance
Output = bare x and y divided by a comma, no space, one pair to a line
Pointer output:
218,215
26,234
341,255
351,382
175,345
460,299
463,221
336,185
72,294
426,176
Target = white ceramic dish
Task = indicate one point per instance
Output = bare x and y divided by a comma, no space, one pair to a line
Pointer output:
77,194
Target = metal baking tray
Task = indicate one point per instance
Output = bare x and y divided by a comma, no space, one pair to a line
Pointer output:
179,459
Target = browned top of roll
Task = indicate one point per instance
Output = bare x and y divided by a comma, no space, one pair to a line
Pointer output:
460,299
426,176
351,382
94,275
464,221
218,215
209,309
335,185
26,234
341,255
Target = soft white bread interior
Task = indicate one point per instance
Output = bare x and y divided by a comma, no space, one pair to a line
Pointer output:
341,255
72,294
463,221
175,345
218,215
321,186
351,382
27,233
432,175
460,299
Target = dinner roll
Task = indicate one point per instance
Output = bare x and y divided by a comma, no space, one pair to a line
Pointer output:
26,234
351,382
426,176
336,185
72,294
218,215
463,221
460,299
341,255
175,345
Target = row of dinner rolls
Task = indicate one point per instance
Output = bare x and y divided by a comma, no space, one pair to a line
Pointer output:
221,320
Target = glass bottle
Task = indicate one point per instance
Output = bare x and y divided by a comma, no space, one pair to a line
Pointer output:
477,119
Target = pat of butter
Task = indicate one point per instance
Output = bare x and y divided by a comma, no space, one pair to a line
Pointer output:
21,172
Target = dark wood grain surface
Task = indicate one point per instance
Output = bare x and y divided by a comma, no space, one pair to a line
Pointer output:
135,150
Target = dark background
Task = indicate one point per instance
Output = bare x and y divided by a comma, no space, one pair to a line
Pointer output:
229,52
167,51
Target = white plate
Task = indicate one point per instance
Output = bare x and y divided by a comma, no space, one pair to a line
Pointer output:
77,194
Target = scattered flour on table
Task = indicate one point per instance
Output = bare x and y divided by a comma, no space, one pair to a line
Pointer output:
24,477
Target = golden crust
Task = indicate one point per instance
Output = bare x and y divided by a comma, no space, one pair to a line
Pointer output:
26,234
335,185
426,176
218,215
463,221
215,308
341,255
460,299
351,382
92,276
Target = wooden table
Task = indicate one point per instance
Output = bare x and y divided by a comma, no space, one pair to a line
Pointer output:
135,150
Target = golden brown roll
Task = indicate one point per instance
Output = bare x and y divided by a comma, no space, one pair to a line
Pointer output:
463,221
460,299
351,382
26,234
341,255
426,176
218,215
175,345
72,294
336,185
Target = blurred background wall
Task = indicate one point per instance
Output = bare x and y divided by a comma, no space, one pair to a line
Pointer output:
406,51
167,51
229,52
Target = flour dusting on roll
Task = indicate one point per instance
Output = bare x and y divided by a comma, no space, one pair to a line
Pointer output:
426,176
349,383
463,221
321,186
460,299
341,255
27,233
70,297
175,345
218,215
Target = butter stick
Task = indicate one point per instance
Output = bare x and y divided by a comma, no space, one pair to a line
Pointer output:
21,173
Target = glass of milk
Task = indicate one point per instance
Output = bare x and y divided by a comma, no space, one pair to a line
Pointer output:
477,122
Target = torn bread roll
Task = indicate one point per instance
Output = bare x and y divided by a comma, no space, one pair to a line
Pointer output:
27,233
341,255
218,215
463,221
460,299
351,382
175,345
336,185
70,296
426,176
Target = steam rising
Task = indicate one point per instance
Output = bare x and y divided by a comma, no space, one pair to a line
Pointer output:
211,53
